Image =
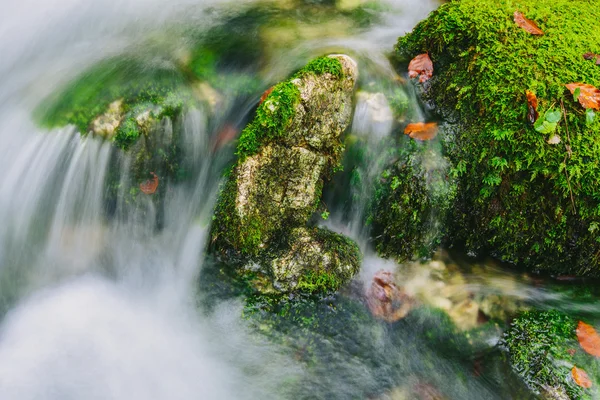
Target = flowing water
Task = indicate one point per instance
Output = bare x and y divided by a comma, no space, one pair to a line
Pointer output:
103,302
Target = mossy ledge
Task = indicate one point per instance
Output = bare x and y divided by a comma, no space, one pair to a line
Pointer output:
287,151
519,197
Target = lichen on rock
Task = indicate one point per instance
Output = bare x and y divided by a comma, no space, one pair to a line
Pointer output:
287,151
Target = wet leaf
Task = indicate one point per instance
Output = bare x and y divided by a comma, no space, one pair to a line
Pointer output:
421,130
581,377
150,186
532,104
589,96
422,67
527,24
593,57
588,338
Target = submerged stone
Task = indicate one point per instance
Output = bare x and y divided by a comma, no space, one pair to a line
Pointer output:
285,153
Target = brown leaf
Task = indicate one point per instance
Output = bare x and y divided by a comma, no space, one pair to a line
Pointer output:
527,24
386,300
532,104
265,95
591,56
421,66
589,96
150,186
581,377
421,130
588,338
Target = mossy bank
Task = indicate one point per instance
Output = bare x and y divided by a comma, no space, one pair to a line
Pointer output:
519,197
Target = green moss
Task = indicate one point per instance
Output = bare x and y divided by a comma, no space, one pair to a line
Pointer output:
520,198
273,117
322,65
541,350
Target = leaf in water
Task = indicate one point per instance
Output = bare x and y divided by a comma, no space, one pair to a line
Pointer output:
589,96
554,139
588,338
581,377
590,116
150,186
591,56
421,130
422,67
386,300
527,24
532,104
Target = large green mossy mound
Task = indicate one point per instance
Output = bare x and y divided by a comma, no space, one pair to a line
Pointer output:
519,197
542,349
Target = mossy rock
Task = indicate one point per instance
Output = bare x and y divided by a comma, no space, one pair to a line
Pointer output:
542,349
287,151
519,198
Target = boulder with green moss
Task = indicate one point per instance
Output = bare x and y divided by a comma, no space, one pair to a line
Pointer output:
521,196
542,349
285,154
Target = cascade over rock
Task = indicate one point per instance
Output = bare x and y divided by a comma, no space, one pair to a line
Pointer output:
286,152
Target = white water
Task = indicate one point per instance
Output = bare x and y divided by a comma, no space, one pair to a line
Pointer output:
105,309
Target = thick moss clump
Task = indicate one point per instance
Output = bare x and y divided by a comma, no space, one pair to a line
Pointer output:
542,349
519,197
411,202
285,153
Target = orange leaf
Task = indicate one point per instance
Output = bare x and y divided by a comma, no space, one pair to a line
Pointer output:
588,338
532,104
421,66
527,24
581,377
150,185
421,130
265,94
589,96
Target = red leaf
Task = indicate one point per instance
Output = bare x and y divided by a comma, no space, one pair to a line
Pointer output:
588,339
589,96
150,186
421,130
581,377
421,66
527,24
532,104
265,95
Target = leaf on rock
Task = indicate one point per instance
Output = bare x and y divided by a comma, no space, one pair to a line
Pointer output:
581,377
422,67
589,96
592,56
527,24
532,104
150,186
386,300
588,339
421,130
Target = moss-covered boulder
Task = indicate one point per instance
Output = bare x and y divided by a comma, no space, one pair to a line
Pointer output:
285,153
521,196
542,349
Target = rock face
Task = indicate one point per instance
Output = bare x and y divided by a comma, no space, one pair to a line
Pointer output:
285,153
521,196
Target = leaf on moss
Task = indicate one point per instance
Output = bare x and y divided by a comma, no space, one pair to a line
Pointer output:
554,139
421,67
265,95
589,96
593,57
150,186
527,24
588,338
421,130
532,104
581,377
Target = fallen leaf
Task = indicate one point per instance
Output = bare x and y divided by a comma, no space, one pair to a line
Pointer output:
588,338
422,67
592,56
532,104
150,186
386,300
581,377
421,130
527,24
265,95
554,139
589,96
